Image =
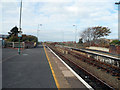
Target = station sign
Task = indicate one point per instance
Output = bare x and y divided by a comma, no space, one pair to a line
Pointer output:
19,34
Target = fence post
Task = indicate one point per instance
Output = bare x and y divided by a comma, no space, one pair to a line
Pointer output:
13,44
23,45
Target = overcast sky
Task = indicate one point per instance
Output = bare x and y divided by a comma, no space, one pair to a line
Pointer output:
58,17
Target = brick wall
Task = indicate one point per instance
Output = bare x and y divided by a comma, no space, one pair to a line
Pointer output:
114,49
118,49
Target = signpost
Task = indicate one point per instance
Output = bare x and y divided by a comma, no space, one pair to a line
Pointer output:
19,36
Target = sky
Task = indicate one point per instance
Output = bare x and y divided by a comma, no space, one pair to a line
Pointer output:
58,17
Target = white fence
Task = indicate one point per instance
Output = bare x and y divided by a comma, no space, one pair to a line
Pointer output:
15,44
21,44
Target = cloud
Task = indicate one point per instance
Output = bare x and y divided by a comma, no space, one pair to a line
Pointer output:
0,18
57,16
58,1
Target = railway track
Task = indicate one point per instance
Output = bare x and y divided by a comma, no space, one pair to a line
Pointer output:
114,71
88,77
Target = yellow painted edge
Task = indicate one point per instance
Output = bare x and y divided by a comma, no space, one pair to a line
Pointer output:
56,81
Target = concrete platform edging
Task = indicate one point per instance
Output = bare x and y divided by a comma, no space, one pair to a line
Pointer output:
79,78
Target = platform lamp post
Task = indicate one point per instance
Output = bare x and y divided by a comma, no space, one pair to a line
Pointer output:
63,36
75,33
38,30
118,3
20,32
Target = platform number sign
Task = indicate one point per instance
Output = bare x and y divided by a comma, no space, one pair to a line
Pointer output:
19,34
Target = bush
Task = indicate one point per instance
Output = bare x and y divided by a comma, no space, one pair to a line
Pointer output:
115,42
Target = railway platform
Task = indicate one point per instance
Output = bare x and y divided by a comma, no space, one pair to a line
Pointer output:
37,68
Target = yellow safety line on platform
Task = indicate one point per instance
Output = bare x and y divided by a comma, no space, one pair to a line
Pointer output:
56,81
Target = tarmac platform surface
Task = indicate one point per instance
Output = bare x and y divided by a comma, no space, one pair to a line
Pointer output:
28,70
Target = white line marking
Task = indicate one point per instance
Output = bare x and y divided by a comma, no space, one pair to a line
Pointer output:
84,82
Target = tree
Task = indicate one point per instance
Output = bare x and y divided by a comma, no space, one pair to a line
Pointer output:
29,38
93,33
13,39
115,42
86,35
80,41
100,32
13,32
13,36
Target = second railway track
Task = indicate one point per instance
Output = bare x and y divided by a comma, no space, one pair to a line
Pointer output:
95,82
